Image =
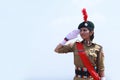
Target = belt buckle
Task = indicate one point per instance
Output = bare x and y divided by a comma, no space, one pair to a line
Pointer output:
84,69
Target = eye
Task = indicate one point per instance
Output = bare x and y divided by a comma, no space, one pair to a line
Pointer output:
84,30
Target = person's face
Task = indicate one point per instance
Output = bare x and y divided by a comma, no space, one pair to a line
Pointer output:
85,33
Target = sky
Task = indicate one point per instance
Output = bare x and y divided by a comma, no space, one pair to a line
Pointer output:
31,29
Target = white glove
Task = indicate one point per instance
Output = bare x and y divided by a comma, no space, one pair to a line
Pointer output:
103,78
70,36
73,34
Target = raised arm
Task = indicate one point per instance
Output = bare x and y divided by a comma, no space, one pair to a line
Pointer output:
61,47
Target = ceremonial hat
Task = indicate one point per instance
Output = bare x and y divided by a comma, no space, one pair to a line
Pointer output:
85,23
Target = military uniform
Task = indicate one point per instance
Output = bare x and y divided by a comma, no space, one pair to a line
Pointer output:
95,55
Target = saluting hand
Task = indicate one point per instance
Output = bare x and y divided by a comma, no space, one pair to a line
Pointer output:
71,35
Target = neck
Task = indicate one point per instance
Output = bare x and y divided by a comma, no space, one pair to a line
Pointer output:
87,42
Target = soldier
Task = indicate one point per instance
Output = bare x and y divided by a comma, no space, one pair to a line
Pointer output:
92,50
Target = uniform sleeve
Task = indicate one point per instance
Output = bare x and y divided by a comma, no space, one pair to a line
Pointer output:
66,48
101,61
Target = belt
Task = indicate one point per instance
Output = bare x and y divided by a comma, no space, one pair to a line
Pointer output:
83,72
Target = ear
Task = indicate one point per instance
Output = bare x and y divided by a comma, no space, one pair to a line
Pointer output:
91,32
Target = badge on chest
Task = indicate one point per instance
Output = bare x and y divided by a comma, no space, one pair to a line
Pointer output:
92,53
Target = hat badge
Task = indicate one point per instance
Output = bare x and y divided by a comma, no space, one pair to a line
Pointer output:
86,24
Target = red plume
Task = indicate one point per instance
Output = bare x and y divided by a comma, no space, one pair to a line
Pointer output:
84,14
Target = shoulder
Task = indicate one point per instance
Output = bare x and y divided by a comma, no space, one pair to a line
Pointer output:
77,41
97,46
73,44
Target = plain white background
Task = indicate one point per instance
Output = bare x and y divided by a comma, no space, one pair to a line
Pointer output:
31,29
